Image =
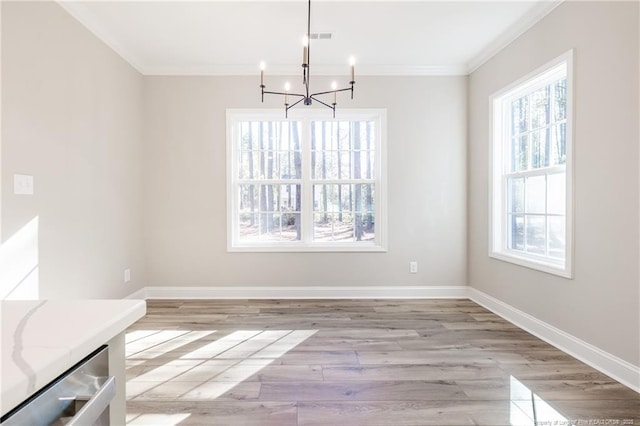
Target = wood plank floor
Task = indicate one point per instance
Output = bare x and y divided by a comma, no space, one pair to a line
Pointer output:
356,362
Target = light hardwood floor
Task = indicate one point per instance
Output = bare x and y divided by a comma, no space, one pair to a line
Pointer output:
356,362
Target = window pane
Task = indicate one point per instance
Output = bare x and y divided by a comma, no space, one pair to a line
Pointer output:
540,148
328,165
556,237
343,150
331,221
516,195
341,210
540,110
556,193
336,198
322,144
344,165
327,198
249,229
290,164
364,209
246,169
560,99
365,226
343,135
333,227
282,227
269,212
535,194
516,232
520,115
520,154
364,159
535,234
269,150
558,144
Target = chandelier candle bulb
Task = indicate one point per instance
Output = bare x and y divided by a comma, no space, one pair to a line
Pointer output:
305,51
352,62
287,87
261,74
334,86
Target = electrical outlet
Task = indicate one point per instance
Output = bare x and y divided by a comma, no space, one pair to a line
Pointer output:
413,267
127,275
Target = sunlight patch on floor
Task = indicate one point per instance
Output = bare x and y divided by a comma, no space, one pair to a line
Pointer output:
527,408
135,419
158,344
208,371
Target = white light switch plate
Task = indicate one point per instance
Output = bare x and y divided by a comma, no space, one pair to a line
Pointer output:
23,184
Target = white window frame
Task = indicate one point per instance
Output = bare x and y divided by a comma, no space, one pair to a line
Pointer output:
500,147
306,244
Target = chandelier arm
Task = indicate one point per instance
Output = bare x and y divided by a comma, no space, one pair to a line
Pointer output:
287,107
295,103
331,107
284,93
323,103
328,92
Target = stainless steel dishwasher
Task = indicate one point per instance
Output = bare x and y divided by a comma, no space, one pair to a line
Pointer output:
79,397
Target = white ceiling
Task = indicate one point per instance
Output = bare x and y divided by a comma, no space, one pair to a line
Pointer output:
232,37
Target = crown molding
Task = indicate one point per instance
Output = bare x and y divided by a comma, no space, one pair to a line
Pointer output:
541,10
322,70
80,13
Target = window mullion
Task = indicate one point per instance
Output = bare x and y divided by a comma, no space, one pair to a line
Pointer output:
307,184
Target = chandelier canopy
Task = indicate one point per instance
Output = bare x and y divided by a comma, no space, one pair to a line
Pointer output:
307,98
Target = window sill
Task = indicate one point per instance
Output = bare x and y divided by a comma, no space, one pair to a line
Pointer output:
303,248
560,269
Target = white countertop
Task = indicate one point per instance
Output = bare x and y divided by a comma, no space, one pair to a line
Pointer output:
41,339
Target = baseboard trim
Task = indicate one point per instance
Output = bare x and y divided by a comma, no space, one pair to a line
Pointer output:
614,367
139,294
296,292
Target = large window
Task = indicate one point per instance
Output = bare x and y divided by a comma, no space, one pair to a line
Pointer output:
307,183
531,170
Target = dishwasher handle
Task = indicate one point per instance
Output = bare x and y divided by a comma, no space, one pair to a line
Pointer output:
93,408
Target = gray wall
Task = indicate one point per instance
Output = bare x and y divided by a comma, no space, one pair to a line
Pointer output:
185,186
71,118
601,304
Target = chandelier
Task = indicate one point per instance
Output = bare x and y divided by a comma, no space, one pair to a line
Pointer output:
307,97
